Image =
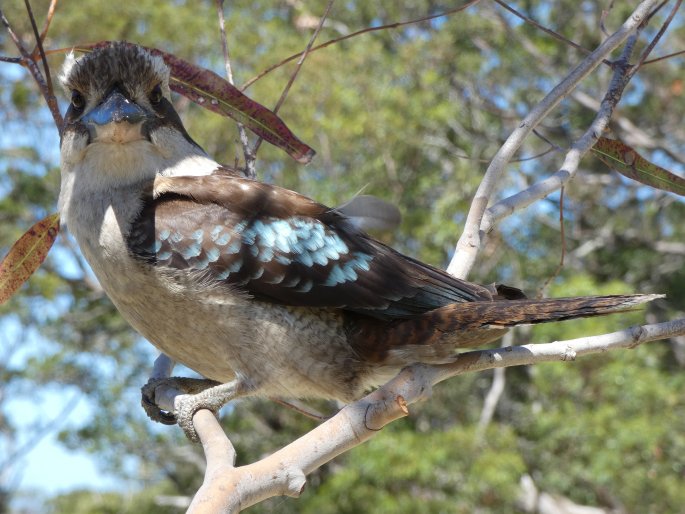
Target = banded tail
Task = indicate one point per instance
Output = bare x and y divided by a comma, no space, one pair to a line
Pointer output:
433,337
509,313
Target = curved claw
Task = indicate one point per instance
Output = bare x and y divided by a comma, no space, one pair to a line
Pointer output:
152,410
149,395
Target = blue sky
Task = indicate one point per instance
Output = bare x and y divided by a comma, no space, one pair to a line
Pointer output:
50,468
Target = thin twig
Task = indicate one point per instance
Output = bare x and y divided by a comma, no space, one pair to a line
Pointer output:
355,34
35,72
249,156
547,140
51,13
603,17
39,45
310,413
543,288
553,148
535,24
656,38
300,62
663,57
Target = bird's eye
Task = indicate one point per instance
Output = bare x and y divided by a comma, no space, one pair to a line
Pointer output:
77,100
156,95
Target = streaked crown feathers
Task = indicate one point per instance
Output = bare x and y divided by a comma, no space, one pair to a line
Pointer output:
120,63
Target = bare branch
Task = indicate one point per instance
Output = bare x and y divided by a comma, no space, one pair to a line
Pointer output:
355,34
28,60
39,46
300,62
664,57
48,20
602,20
662,30
535,24
249,156
524,198
471,239
228,489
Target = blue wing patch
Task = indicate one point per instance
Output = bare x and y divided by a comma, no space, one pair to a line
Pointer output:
282,247
249,251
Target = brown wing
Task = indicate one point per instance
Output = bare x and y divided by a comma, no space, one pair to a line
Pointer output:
282,247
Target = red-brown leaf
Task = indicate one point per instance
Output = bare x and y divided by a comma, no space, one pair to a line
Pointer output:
26,255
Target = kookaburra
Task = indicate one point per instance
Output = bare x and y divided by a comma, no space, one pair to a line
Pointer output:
251,285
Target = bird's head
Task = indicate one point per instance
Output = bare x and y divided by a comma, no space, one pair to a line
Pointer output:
121,126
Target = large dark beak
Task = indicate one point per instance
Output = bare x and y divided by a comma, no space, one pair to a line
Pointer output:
116,119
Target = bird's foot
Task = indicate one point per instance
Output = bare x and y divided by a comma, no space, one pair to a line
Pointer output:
152,395
199,394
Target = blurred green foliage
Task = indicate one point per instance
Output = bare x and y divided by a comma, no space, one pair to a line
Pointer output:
411,115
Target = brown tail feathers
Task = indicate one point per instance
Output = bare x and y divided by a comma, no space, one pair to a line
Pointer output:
509,313
433,336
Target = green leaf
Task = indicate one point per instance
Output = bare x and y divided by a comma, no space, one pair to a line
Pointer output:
631,164
209,90
26,255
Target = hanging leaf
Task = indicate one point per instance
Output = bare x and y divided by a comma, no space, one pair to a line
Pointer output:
209,90
630,164
26,255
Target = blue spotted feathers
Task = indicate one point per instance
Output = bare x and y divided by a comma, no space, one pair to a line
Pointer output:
282,247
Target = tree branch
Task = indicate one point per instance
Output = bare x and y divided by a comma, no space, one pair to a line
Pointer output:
248,155
545,187
471,239
229,489
355,34
30,62
538,26
300,62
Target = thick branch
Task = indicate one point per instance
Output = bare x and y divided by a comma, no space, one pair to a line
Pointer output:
228,489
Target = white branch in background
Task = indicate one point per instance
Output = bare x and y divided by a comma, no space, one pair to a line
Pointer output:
471,239
495,393
229,489
583,145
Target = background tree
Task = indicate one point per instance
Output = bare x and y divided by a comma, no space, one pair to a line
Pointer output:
411,114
